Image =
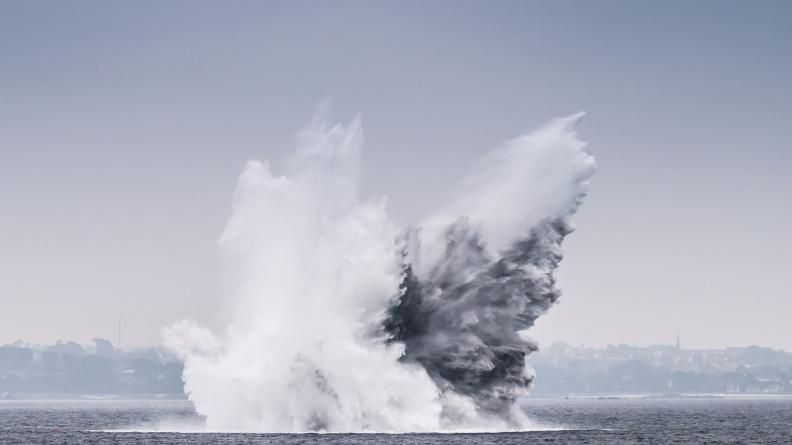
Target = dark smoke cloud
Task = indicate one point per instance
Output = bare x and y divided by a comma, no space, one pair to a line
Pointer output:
462,322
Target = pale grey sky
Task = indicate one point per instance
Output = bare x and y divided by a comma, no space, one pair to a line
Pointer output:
124,125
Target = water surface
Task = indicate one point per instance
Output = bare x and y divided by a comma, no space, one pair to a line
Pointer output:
565,421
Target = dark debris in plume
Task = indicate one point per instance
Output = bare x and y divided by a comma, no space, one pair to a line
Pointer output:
461,322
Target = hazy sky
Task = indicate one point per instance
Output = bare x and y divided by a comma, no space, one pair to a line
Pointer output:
124,126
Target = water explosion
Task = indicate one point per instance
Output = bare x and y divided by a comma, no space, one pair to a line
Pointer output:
344,322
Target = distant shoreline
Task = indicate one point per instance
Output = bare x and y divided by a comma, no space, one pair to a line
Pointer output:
90,397
685,396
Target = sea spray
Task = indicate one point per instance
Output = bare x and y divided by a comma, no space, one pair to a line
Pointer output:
343,322
484,271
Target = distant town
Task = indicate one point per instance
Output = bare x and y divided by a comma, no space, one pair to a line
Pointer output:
68,369
71,370
663,369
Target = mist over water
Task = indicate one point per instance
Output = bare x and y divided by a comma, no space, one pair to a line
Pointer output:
342,321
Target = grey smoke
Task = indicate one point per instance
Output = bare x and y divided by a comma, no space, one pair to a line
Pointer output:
462,315
463,323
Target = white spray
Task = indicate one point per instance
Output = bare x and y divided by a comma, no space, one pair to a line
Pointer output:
316,270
